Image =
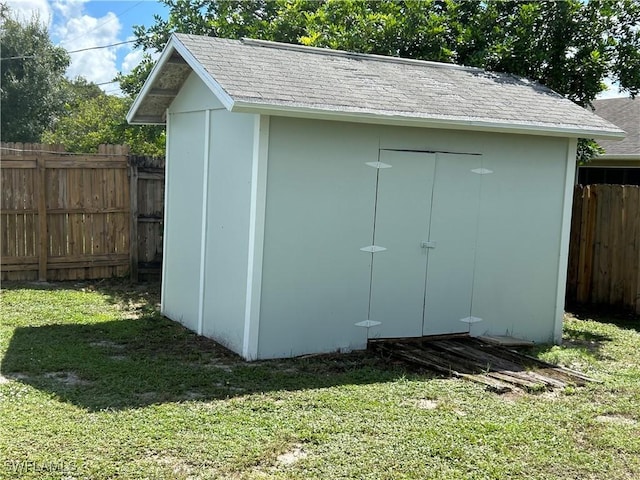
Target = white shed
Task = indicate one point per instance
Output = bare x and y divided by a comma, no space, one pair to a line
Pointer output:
316,198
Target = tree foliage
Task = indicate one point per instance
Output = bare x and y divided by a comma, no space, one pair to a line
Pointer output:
31,79
570,46
94,118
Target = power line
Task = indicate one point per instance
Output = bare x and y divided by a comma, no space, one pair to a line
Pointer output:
106,83
73,51
103,46
115,17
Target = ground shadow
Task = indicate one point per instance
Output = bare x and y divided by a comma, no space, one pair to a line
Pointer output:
622,318
586,343
137,362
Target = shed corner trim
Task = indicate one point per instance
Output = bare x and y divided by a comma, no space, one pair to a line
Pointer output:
256,236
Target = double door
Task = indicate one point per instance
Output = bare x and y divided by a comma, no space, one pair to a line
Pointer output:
424,243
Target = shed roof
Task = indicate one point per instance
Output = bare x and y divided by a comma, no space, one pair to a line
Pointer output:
282,79
625,113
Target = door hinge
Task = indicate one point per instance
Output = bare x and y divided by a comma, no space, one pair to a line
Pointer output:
373,249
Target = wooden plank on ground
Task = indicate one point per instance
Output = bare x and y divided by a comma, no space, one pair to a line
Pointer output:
471,357
495,363
433,363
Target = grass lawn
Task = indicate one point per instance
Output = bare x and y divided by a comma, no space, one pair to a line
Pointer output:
95,384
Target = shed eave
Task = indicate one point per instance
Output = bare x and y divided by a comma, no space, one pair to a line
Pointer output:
148,89
136,121
433,122
618,156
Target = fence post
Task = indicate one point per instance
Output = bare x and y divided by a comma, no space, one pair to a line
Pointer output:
133,228
43,238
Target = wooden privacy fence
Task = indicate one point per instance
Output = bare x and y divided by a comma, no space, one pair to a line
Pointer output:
147,214
67,216
604,253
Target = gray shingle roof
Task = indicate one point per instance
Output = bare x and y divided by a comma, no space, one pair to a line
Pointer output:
277,77
625,113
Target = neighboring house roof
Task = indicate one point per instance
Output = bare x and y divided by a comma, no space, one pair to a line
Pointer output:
625,113
282,79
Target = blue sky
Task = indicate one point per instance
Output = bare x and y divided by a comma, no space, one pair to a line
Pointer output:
78,24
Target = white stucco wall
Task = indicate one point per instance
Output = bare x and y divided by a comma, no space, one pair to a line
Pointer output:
521,207
315,281
319,208
182,230
210,180
231,144
517,264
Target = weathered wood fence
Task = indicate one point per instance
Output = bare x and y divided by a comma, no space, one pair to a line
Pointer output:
67,216
604,253
147,214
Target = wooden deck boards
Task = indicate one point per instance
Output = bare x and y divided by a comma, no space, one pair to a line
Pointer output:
499,368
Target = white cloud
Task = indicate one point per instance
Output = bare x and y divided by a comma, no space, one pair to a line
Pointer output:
134,57
83,31
131,60
71,27
69,8
25,9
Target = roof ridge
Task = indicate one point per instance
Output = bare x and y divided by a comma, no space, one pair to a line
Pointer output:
365,56
627,98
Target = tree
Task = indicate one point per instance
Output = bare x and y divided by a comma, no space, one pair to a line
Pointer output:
570,46
96,118
31,79
74,92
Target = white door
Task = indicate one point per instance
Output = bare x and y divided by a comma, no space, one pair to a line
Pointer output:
401,224
453,232
423,243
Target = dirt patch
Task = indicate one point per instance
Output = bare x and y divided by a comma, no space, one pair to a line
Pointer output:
215,363
107,344
13,376
118,358
617,419
147,396
551,395
512,396
191,395
426,404
178,467
70,379
295,454
228,387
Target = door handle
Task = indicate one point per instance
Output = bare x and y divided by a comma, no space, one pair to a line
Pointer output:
428,244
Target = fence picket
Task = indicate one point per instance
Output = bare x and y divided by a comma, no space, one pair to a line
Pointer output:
67,216
606,246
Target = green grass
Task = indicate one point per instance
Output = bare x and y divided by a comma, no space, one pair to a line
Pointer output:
96,384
